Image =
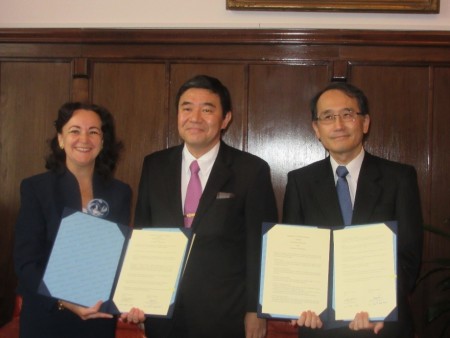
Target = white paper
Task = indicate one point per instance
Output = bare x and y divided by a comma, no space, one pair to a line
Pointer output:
365,277
151,270
295,270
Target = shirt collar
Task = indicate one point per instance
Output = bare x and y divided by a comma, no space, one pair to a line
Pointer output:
353,167
205,162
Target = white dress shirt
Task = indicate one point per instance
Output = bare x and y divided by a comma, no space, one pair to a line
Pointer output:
205,162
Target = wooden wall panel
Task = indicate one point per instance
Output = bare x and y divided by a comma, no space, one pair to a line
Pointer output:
279,123
430,292
135,93
400,116
440,158
30,95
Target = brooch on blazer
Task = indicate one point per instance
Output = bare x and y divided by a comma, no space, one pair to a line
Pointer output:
98,207
224,195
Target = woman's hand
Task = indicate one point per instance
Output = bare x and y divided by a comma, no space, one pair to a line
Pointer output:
86,312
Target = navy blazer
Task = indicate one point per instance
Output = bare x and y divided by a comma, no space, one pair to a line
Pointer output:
386,191
43,199
220,283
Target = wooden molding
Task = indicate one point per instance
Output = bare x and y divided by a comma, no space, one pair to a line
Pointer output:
225,36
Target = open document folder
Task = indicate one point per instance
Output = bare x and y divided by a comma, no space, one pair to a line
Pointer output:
335,273
94,259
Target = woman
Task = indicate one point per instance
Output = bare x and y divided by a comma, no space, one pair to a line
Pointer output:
83,157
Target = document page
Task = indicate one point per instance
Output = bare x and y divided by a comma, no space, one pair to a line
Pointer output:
294,275
84,260
365,271
151,271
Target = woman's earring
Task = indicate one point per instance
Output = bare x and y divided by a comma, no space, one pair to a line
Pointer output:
61,146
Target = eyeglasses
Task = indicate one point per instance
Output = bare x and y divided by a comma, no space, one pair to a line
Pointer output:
345,116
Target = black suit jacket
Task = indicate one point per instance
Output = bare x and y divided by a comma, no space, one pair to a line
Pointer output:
220,283
385,191
43,198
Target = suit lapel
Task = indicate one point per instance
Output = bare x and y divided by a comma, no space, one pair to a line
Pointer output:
368,190
69,194
325,190
220,174
173,185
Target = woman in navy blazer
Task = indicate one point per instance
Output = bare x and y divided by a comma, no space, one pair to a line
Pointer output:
83,157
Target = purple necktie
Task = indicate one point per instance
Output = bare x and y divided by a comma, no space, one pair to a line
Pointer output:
193,194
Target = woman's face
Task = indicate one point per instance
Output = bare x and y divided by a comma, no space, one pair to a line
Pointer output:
82,139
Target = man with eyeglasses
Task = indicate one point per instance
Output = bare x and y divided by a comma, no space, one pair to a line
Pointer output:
380,191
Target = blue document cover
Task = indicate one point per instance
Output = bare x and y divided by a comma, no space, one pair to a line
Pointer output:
86,261
298,266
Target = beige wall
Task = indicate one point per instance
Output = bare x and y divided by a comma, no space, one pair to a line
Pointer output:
197,14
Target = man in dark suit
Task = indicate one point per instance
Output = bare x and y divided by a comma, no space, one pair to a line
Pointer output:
219,288
380,190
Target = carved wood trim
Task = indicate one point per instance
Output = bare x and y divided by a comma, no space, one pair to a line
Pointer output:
226,36
340,70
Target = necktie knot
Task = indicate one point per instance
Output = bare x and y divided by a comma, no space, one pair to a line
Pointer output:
341,171
194,167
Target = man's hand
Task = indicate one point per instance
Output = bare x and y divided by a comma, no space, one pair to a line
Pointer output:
135,316
254,327
361,322
308,319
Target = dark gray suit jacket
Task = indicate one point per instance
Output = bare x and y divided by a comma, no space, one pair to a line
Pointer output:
386,191
221,280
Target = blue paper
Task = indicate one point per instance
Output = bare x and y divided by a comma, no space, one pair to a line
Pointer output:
84,259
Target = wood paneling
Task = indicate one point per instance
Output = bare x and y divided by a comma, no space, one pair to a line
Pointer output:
440,158
135,95
30,94
400,116
279,118
271,74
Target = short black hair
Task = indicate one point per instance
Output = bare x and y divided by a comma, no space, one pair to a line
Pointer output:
348,89
209,83
105,163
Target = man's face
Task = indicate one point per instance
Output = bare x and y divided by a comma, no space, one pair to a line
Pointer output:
201,120
343,140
